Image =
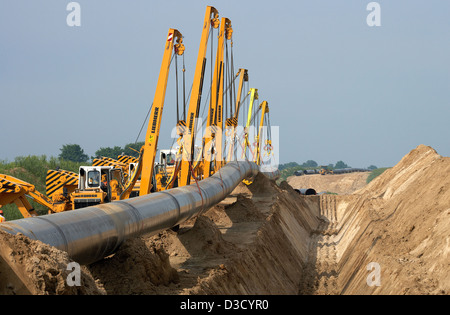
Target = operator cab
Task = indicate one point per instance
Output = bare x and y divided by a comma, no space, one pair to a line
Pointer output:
164,170
98,184
91,177
167,157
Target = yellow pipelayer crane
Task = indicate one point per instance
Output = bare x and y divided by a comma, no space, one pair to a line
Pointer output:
253,96
145,167
264,107
186,129
214,125
231,123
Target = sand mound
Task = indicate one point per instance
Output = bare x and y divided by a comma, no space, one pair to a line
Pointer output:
135,269
243,210
262,186
391,237
406,216
32,267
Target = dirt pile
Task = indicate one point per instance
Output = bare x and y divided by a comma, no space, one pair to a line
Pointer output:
404,228
135,269
391,237
32,267
341,184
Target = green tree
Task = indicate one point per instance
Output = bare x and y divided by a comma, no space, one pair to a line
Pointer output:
310,163
131,148
73,152
287,165
375,173
372,167
341,164
109,152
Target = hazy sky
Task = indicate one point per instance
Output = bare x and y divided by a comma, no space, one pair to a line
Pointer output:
338,89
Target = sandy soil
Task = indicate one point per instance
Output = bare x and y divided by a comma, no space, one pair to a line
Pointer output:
341,184
267,239
32,267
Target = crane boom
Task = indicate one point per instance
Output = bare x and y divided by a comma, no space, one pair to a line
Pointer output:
214,124
14,190
253,96
188,127
231,123
152,135
264,110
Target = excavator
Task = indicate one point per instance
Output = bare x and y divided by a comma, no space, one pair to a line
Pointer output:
100,183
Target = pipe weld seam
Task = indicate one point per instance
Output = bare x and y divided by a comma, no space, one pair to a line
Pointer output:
176,200
134,211
60,231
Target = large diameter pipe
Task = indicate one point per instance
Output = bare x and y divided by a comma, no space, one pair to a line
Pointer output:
306,191
90,234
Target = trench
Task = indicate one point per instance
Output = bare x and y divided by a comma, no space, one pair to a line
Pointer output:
263,239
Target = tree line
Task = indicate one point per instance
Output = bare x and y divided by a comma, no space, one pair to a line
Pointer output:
74,152
313,164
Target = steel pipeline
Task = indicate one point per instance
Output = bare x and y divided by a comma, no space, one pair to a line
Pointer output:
90,234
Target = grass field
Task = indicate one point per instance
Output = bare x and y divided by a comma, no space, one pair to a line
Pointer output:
33,169
375,173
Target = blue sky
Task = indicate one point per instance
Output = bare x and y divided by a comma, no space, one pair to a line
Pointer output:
338,89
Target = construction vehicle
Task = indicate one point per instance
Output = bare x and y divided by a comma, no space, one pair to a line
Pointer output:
264,108
65,190
145,167
186,128
129,177
128,165
96,185
108,179
246,145
165,169
99,183
111,180
324,170
14,190
231,123
214,125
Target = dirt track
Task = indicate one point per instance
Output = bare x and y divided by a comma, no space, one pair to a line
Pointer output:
266,239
